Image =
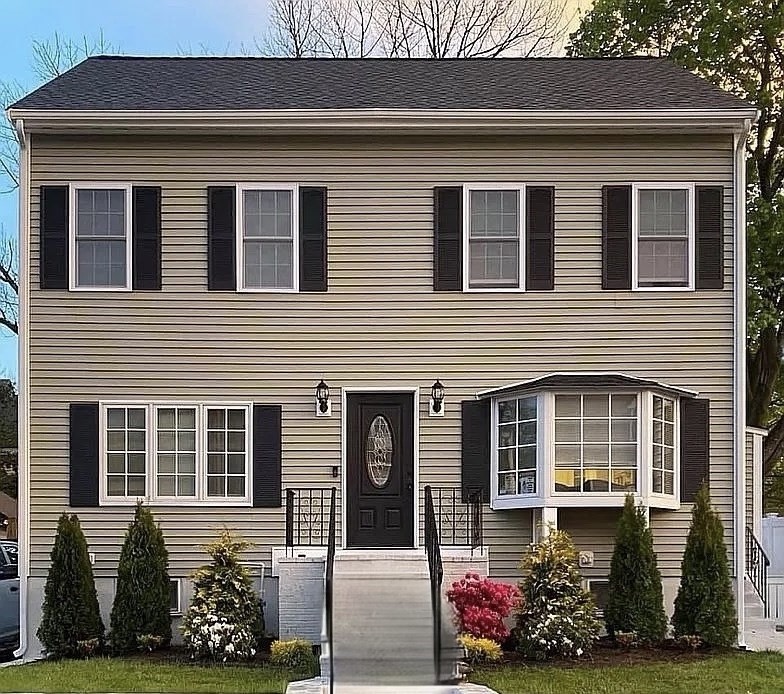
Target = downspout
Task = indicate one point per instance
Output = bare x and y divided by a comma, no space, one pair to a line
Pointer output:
23,443
739,379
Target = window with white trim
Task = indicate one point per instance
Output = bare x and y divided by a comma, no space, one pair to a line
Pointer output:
126,451
596,443
494,224
517,437
101,237
175,596
176,452
663,443
664,237
268,238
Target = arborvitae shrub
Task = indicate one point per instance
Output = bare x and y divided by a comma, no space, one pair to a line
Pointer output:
141,601
635,601
705,605
557,617
223,618
70,616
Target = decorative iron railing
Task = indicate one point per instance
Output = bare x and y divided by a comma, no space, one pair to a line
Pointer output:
459,521
757,564
328,584
436,569
307,517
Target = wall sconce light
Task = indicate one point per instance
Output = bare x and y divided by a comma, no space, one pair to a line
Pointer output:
323,403
437,399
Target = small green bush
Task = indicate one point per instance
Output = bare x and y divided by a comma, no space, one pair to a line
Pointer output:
557,617
223,618
635,604
479,651
705,605
293,654
141,601
71,624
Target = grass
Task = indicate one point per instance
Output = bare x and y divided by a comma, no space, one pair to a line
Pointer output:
734,673
138,675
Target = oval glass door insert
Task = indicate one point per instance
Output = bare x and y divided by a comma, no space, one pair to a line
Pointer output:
378,451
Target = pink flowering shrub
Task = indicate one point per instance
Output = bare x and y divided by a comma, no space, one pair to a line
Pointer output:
481,605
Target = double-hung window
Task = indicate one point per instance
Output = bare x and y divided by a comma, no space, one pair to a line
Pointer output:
268,238
175,452
100,237
517,428
663,443
493,244
664,239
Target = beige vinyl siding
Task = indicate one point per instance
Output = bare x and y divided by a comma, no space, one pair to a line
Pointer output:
380,324
749,479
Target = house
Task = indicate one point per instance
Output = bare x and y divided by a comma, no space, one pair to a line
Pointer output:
519,283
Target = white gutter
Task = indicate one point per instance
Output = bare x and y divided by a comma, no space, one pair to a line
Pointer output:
393,119
739,381
23,425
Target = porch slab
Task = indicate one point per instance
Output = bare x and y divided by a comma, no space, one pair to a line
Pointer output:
313,686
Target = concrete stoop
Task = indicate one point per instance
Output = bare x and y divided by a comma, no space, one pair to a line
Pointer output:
316,686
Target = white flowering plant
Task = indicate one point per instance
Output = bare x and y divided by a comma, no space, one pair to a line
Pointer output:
557,617
222,622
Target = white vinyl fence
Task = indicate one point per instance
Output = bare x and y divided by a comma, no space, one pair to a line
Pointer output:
772,541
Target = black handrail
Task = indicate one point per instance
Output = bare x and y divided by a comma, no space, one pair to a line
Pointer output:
329,569
459,521
757,564
307,516
433,550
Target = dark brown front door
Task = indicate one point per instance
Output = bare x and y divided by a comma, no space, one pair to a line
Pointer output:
380,470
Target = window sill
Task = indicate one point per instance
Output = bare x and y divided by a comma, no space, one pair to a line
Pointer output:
582,500
178,503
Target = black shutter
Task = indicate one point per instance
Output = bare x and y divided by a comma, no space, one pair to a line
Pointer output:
221,239
617,237
313,239
710,232
266,456
448,239
475,441
540,238
146,237
83,452
695,446
53,238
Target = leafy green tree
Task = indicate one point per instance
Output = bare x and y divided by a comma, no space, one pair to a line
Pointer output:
635,601
739,46
71,620
141,601
705,605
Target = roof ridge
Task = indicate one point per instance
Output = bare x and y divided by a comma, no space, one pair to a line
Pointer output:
325,59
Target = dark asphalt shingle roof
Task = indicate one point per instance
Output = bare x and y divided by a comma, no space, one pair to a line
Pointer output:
131,83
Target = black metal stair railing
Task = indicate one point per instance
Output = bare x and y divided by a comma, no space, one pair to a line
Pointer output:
459,521
436,569
329,569
757,564
307,517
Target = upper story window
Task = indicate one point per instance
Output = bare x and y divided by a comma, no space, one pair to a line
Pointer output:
100,237
664,238
493,247
176,452
268,243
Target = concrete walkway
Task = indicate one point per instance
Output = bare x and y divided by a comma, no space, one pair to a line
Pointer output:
314,687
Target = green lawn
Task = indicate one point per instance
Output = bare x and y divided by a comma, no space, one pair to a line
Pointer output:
138,675
737,673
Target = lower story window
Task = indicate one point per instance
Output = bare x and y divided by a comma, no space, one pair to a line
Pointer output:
663,462
596,443
517,434
176,452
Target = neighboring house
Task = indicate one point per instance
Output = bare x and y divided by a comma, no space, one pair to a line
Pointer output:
8,515
559,243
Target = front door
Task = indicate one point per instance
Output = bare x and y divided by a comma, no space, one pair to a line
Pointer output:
380,470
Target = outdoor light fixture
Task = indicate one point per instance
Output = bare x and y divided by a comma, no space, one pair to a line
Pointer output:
437,399
323,403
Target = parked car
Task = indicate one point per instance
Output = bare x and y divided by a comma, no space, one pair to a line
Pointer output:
9,596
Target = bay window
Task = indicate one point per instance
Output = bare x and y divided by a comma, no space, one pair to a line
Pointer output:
517,427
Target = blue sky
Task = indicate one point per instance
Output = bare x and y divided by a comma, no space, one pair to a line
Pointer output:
165,27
